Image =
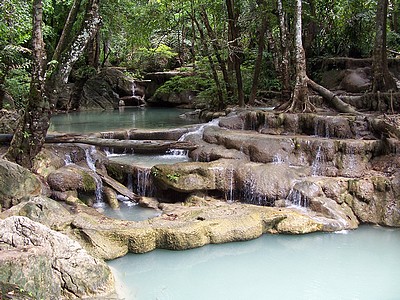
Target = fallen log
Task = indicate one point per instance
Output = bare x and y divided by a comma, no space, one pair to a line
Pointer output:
120,188
332,99
138,146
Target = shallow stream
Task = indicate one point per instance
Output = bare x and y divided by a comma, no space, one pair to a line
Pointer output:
363,264
125,118
354,265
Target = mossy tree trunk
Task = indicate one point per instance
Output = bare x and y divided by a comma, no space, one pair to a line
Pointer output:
32,127
31,131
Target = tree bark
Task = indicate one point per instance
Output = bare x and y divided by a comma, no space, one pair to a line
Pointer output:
383,81
217,52
284,68
70,56
220,97
66,33
257,64
234,49
300,100
32,126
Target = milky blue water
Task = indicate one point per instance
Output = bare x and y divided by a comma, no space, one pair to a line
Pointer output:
363,264
125,118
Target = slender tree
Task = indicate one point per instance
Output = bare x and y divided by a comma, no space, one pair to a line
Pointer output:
261,47
382,79
46,83
234,48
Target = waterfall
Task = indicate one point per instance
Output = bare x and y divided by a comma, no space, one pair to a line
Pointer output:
198,133
317,164
133,88
277,159
178,152
91,162
296,198
68,159
129,184
144,186
231,183
251,196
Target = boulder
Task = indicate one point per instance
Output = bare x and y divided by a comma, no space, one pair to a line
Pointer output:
72,177
16,184
98,94
356,80
8,121
48,264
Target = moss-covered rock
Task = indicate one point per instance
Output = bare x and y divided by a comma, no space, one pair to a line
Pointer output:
16,184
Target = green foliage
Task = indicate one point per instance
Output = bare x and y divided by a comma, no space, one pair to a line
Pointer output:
153,59
17,85
173,177
180,84
86,72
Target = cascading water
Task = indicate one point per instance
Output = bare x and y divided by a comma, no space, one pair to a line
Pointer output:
318,163
296,198
68,159
250,195
91,162
278,159
144,186
198,133
231,183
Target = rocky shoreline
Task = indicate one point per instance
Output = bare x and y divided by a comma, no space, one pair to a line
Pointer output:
252,172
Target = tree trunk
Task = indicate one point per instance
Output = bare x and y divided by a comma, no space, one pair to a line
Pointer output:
70,56
234,49
300,100
217,52
257,65
32,127
66,33
284,68
331,98
220,98
382,79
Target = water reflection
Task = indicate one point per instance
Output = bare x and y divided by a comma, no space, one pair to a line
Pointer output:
129,117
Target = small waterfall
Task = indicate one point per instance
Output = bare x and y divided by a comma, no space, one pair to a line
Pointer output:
178,152
250,195
199,131
296,198
231,183
129,184
277,159
321,128
318,163
68,159
144,186
91,162
133,88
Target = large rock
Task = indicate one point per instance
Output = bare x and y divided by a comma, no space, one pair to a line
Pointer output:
72,177
16,184
199,222
8,120
48,264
